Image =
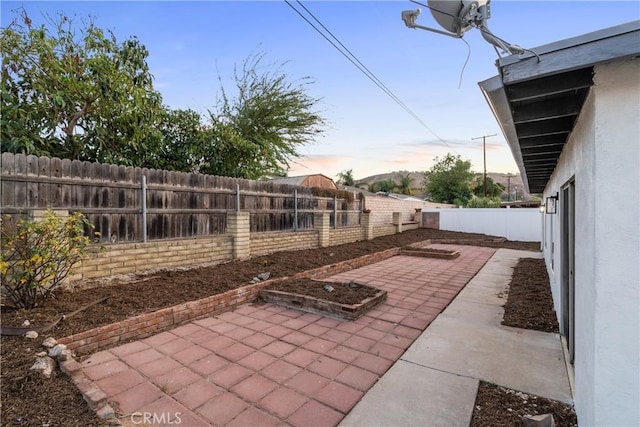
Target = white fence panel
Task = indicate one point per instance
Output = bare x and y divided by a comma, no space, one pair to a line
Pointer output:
522,224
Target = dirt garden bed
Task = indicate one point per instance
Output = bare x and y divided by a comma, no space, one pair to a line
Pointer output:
343,300
529,306
30,400
429,252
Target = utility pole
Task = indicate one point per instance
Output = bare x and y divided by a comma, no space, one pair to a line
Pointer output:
509,187
484,154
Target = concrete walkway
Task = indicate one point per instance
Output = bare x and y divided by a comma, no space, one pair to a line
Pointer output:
266,365
435,381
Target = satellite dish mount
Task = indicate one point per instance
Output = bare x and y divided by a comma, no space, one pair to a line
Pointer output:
457,17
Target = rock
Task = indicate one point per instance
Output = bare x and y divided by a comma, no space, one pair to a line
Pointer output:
26,323
544,420
60,352
44,365
31,335
49,342
328,288
264,276
41,354
254,280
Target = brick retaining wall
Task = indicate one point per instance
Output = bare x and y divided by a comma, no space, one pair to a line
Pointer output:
339,236
134,257
264,243
150,323
384,230
117,259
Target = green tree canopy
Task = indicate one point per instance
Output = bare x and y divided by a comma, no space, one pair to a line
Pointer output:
484,202
493,189
75,92
182,144
385,186
259,130
405,183
346,177
448,180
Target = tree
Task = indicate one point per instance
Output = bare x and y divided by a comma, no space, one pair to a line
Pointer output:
405,183
75,94
484,202
448,180
493,189
257,132
182,145
346,177
385,186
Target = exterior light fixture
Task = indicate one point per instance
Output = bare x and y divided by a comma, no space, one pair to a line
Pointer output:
551,204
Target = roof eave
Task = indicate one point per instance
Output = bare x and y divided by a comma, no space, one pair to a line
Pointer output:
496,96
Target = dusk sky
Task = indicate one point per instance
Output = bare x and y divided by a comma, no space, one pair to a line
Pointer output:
191,43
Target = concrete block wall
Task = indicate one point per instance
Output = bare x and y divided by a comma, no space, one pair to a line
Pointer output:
382,208
339,236
238,243
264,243
411,226
135,257
384,230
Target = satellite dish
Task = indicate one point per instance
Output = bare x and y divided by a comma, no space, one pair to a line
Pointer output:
458,16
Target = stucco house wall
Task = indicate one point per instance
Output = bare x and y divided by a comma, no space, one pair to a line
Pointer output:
602,156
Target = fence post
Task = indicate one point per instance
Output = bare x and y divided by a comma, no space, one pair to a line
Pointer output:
335,212
238,227
508,223
321,222
295,210
144,208
397,221
367,224
237,197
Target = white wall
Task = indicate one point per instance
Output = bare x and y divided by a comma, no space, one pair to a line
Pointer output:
603,157
383,207
521,224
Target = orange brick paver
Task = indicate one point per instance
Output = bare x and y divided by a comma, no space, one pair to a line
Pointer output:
269,365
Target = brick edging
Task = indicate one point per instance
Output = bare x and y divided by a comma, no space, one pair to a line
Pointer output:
147,324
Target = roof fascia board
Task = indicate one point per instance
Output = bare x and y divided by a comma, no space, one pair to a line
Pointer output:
496,96
615,43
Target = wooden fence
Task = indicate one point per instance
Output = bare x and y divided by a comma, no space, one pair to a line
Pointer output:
132,204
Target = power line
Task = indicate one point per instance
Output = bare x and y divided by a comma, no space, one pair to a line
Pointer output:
360,66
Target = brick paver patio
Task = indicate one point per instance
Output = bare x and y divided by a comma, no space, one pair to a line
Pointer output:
267,365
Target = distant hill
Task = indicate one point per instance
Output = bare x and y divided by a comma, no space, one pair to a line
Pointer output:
418,177
395,176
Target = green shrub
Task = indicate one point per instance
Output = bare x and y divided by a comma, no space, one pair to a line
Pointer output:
484,202
37,255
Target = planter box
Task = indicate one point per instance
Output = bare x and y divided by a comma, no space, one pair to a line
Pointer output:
322,306
427,253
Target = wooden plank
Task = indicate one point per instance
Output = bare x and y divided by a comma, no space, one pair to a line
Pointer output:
76,196
44,189
56,189
65,189
32,188
20,190
7,188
